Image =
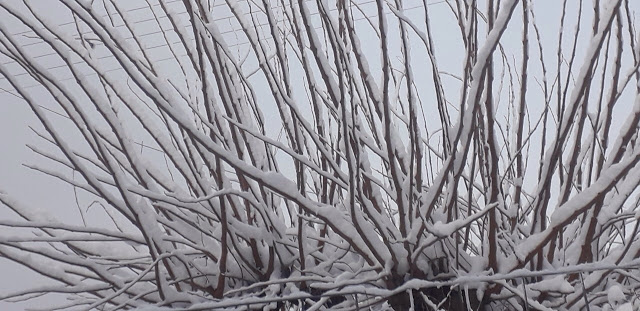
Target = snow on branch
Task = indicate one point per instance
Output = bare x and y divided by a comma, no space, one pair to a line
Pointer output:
292,154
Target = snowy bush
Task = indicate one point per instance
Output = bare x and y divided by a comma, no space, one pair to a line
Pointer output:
288,155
